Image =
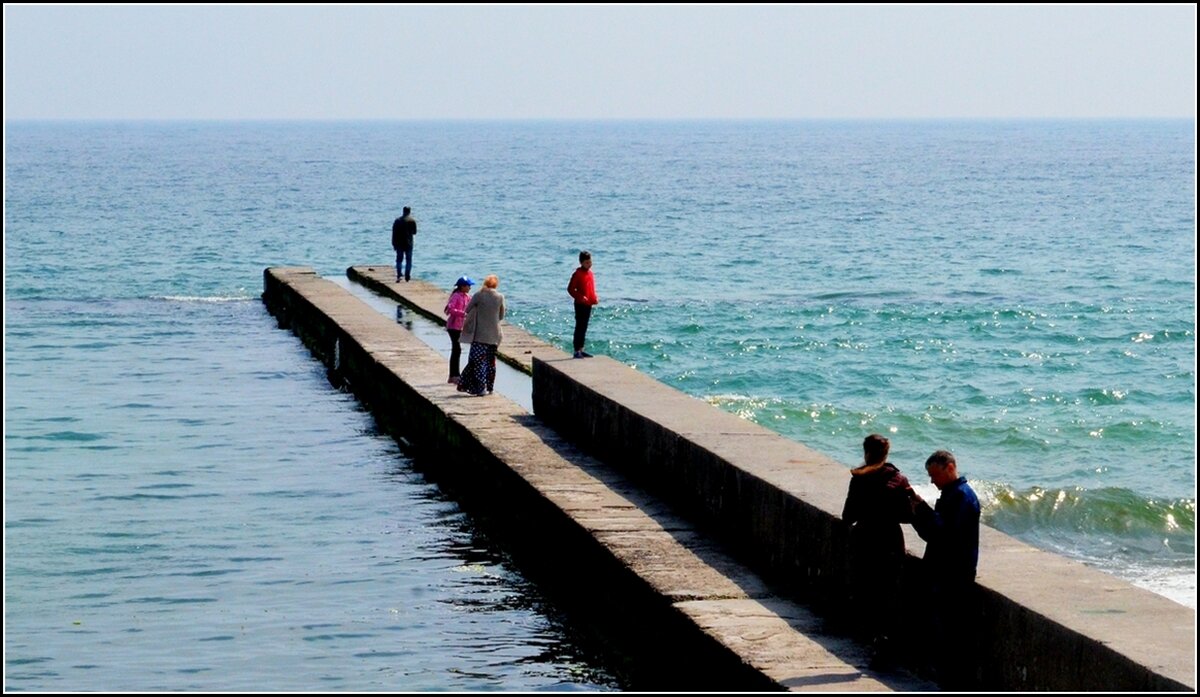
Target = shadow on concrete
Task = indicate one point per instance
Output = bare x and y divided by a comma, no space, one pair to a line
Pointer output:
697,540
810,681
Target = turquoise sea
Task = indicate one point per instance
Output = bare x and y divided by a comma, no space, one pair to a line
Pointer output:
189,504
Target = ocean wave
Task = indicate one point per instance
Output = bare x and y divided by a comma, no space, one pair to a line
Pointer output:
204,299
76,436
1111,511
858,293
1147,541
745,406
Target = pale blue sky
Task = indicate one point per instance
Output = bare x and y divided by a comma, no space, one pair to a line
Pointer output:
504,62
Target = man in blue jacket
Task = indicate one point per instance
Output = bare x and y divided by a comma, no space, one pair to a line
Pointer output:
951,528
951,533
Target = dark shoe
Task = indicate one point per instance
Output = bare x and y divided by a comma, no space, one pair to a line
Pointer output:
884,654
578,354
584,354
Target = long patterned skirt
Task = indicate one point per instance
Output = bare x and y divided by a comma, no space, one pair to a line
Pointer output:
479,375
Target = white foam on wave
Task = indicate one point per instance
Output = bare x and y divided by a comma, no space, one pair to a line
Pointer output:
728,398
1173,584
204,299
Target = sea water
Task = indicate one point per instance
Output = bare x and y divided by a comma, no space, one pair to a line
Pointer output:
190,505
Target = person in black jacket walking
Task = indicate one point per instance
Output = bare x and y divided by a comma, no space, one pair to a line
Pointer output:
403,229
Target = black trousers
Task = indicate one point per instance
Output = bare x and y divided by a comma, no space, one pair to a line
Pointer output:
583,313
455,351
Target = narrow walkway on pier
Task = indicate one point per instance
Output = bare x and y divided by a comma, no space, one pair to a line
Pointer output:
513,383
519,347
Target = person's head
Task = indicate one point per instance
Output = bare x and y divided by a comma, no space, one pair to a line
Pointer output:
463,284
942,468
491,281
875,449
585,259
407,210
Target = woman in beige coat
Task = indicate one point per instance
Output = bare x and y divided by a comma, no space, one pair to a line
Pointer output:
482,330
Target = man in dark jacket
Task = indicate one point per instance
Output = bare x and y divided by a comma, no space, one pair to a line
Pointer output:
403,229
951,528
951,533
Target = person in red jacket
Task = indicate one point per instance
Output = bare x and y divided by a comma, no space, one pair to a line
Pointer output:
583,289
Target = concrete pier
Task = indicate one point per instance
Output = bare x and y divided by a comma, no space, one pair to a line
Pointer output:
696,619
1043,622
716,483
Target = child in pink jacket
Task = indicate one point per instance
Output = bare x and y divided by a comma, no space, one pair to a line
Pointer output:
456,312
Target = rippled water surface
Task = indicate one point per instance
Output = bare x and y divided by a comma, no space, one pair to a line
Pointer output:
190,509
190,505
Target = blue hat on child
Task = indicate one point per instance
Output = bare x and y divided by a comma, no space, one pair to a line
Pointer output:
463,281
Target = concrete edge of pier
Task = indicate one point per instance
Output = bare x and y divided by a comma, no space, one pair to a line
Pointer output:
709,622
1046,622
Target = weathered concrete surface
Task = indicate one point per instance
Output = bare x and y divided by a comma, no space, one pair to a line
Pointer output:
519,346
710,622
1044,622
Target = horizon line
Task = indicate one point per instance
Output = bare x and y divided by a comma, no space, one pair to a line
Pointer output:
580,119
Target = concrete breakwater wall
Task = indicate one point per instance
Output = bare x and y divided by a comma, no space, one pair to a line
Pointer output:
691,617
1045,622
